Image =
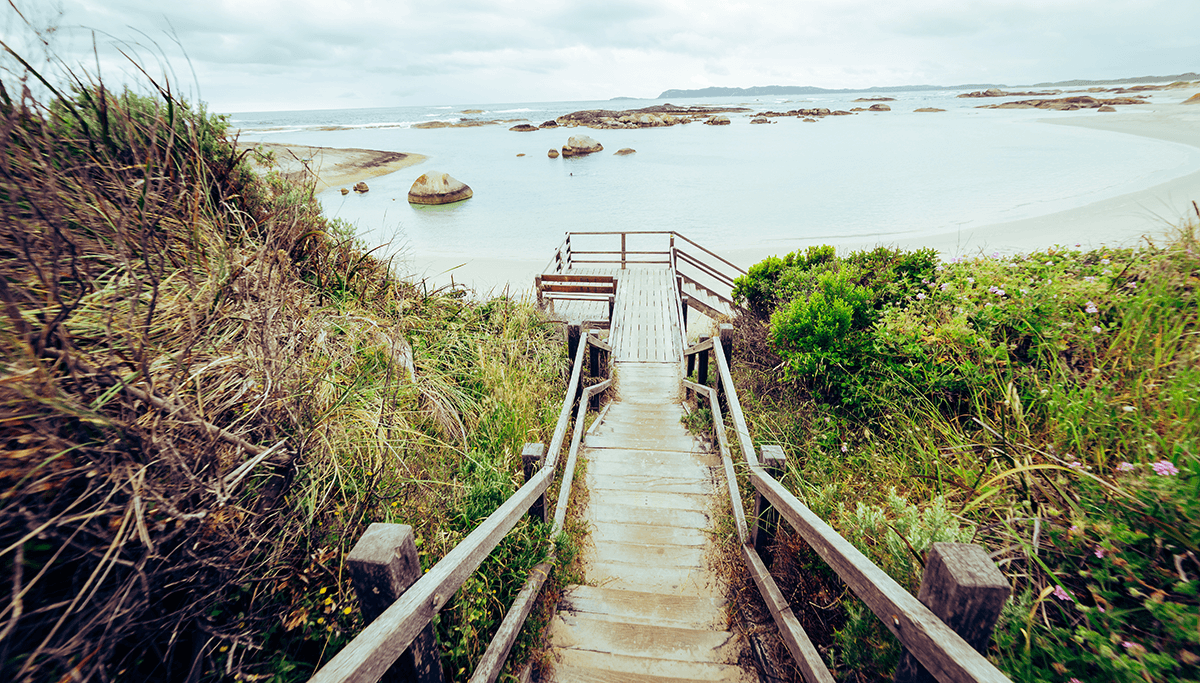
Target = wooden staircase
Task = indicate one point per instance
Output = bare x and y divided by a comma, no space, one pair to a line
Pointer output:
652,608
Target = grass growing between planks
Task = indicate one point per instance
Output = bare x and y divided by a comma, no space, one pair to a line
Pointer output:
208,390
1045,405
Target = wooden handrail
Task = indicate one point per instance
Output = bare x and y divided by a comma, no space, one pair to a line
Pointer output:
794,636
368,656
942,651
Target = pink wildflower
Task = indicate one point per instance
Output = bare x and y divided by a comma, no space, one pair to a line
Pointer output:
1126,467
1091,308
845,448
920,296
1062,594
1096,329
1099,552
1165,468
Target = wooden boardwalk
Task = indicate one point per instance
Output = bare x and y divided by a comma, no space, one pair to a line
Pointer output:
651,607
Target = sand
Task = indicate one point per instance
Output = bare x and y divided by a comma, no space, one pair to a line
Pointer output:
333,168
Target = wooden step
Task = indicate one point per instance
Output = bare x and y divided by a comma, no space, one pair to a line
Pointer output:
581,666
645,608
651,641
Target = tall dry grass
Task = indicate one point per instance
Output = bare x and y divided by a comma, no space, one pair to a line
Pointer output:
208,390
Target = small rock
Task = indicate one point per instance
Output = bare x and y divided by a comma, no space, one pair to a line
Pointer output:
761,119
361,187
879,107
808,120
435,187
553,154
717,121
624,151
345,190
521,154
1107,108
580,145
929,109
472,111
523,128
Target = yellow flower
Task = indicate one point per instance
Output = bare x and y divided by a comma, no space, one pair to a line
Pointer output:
320,620
322,591
328,601
347,610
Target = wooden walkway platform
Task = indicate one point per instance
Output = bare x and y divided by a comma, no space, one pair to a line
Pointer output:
651,608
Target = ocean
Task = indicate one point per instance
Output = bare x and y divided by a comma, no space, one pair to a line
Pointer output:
757,189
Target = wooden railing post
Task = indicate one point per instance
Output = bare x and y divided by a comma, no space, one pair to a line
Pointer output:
383,564
537,285
532,457
965,589
622,251
572,345
671,257
702,376
766,518
612,306
684,303
594,365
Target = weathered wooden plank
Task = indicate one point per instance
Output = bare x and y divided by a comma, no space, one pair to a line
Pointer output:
580,277
492,662
549,289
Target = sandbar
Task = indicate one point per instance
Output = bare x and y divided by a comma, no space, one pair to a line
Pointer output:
331,167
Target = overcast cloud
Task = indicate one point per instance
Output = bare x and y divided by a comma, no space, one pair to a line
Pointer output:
310,54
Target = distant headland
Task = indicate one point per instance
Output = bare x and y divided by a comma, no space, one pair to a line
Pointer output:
813,90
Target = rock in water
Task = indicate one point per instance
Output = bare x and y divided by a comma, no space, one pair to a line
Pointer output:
553,154
345,190
361,187
435,187
580,145
717,121
523,128
1107,108
879,107
928,109
624,151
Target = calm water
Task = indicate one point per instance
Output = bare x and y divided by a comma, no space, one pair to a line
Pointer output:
768,188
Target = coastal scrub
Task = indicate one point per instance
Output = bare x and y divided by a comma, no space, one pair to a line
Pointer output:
1046,405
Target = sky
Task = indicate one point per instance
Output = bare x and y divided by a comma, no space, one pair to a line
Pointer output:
260,55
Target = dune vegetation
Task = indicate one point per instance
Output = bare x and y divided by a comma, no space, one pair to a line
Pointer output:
1045,405
208,390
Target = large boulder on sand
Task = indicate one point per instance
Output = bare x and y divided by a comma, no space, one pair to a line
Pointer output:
579,145
435,187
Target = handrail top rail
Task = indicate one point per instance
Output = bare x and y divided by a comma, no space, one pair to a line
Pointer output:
660,232
942,651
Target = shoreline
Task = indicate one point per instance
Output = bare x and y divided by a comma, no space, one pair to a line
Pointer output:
332,167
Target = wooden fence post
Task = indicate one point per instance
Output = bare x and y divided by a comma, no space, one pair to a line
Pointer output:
965,589
622,251
612,306
671,257
537,285
532,457
702,377
766,518
685,303
596,370
383,564
573,333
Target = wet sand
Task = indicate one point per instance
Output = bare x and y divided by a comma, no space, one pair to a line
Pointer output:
333,168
